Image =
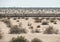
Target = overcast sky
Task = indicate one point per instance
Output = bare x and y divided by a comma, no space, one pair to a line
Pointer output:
29,3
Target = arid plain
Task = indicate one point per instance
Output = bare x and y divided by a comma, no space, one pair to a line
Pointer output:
32,27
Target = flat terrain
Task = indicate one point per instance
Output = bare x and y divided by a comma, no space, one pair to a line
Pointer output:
31,23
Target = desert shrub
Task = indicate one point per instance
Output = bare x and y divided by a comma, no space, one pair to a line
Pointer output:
19,39
58,18
45,23
37,20
23,17
52,19
38,26
14,18
35,31
55,22
31,27
26,18
50,30
56,31
20,24
32,31
16,30
36,40
0,34
17,20
29,24
9,17
18,17
47,18
7,22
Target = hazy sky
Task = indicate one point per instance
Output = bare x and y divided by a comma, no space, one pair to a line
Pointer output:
29,3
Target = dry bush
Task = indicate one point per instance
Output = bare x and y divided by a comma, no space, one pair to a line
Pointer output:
16,30
45,23
23,17
19,39
14,18
58,18
26,18
18,17
20,24
9,17
35,31
17,20
7,22
52,19
37,20
31,27
47,18
50,30
29,24
0,34
38,26
55,22
36,40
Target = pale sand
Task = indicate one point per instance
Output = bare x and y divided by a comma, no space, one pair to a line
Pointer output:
44,37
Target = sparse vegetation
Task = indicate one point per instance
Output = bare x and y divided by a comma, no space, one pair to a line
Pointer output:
20,24
16,30
50,30
47,18
45,23
35,31
38,26
14,18
37,20
22,17
29,24
36,40
55,22
32,31
26,18
0,34
31,27
8,17
52,20
19,39
18,17
58,18
17,20
7,22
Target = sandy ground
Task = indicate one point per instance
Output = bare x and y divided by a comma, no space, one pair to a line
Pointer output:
44,37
